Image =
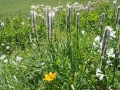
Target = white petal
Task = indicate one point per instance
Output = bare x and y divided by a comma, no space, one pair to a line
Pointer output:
101,77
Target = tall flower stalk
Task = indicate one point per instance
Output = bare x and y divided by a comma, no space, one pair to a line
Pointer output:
34,14
51,23
77,26
117,15
47,19
2,25
105,40
102,21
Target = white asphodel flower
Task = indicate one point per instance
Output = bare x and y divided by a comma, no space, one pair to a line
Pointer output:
83,32
68,5
97,39
33,7
114,2
72,87
78,14
99,74
96,42
7,47
2,24
2,57
2,44
112,34
22,23
109,62
110,53
6,60
98,71
18,59
76,3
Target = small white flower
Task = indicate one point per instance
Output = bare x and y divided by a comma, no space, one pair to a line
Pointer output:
78,14
68,5
6,60
7,47
109,62
2,24
112,34
97,39
14,62
2,57
99,74
18,59
98,71
76,3
101,77
33,7
2,44
22,23
83,32
96,42
114,2
110,53
72,87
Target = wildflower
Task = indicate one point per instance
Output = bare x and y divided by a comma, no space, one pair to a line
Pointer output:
7,47
76,3
6,60
72,87
2,57
112,34
97,39
83,32
99,74
50,77
114,3
109,62
43,63
22,23
33,7
110,53
2,24
18,59
2,44
67,5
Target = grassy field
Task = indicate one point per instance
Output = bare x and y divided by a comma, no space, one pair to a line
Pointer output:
63,49
14,7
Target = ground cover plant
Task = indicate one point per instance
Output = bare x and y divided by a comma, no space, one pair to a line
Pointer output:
71,47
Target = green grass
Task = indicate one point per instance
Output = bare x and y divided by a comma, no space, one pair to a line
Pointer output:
14,7
69,53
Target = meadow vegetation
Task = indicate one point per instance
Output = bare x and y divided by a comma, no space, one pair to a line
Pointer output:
69,47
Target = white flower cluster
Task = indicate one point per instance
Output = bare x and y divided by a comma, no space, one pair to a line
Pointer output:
110,53
96,42
99,74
